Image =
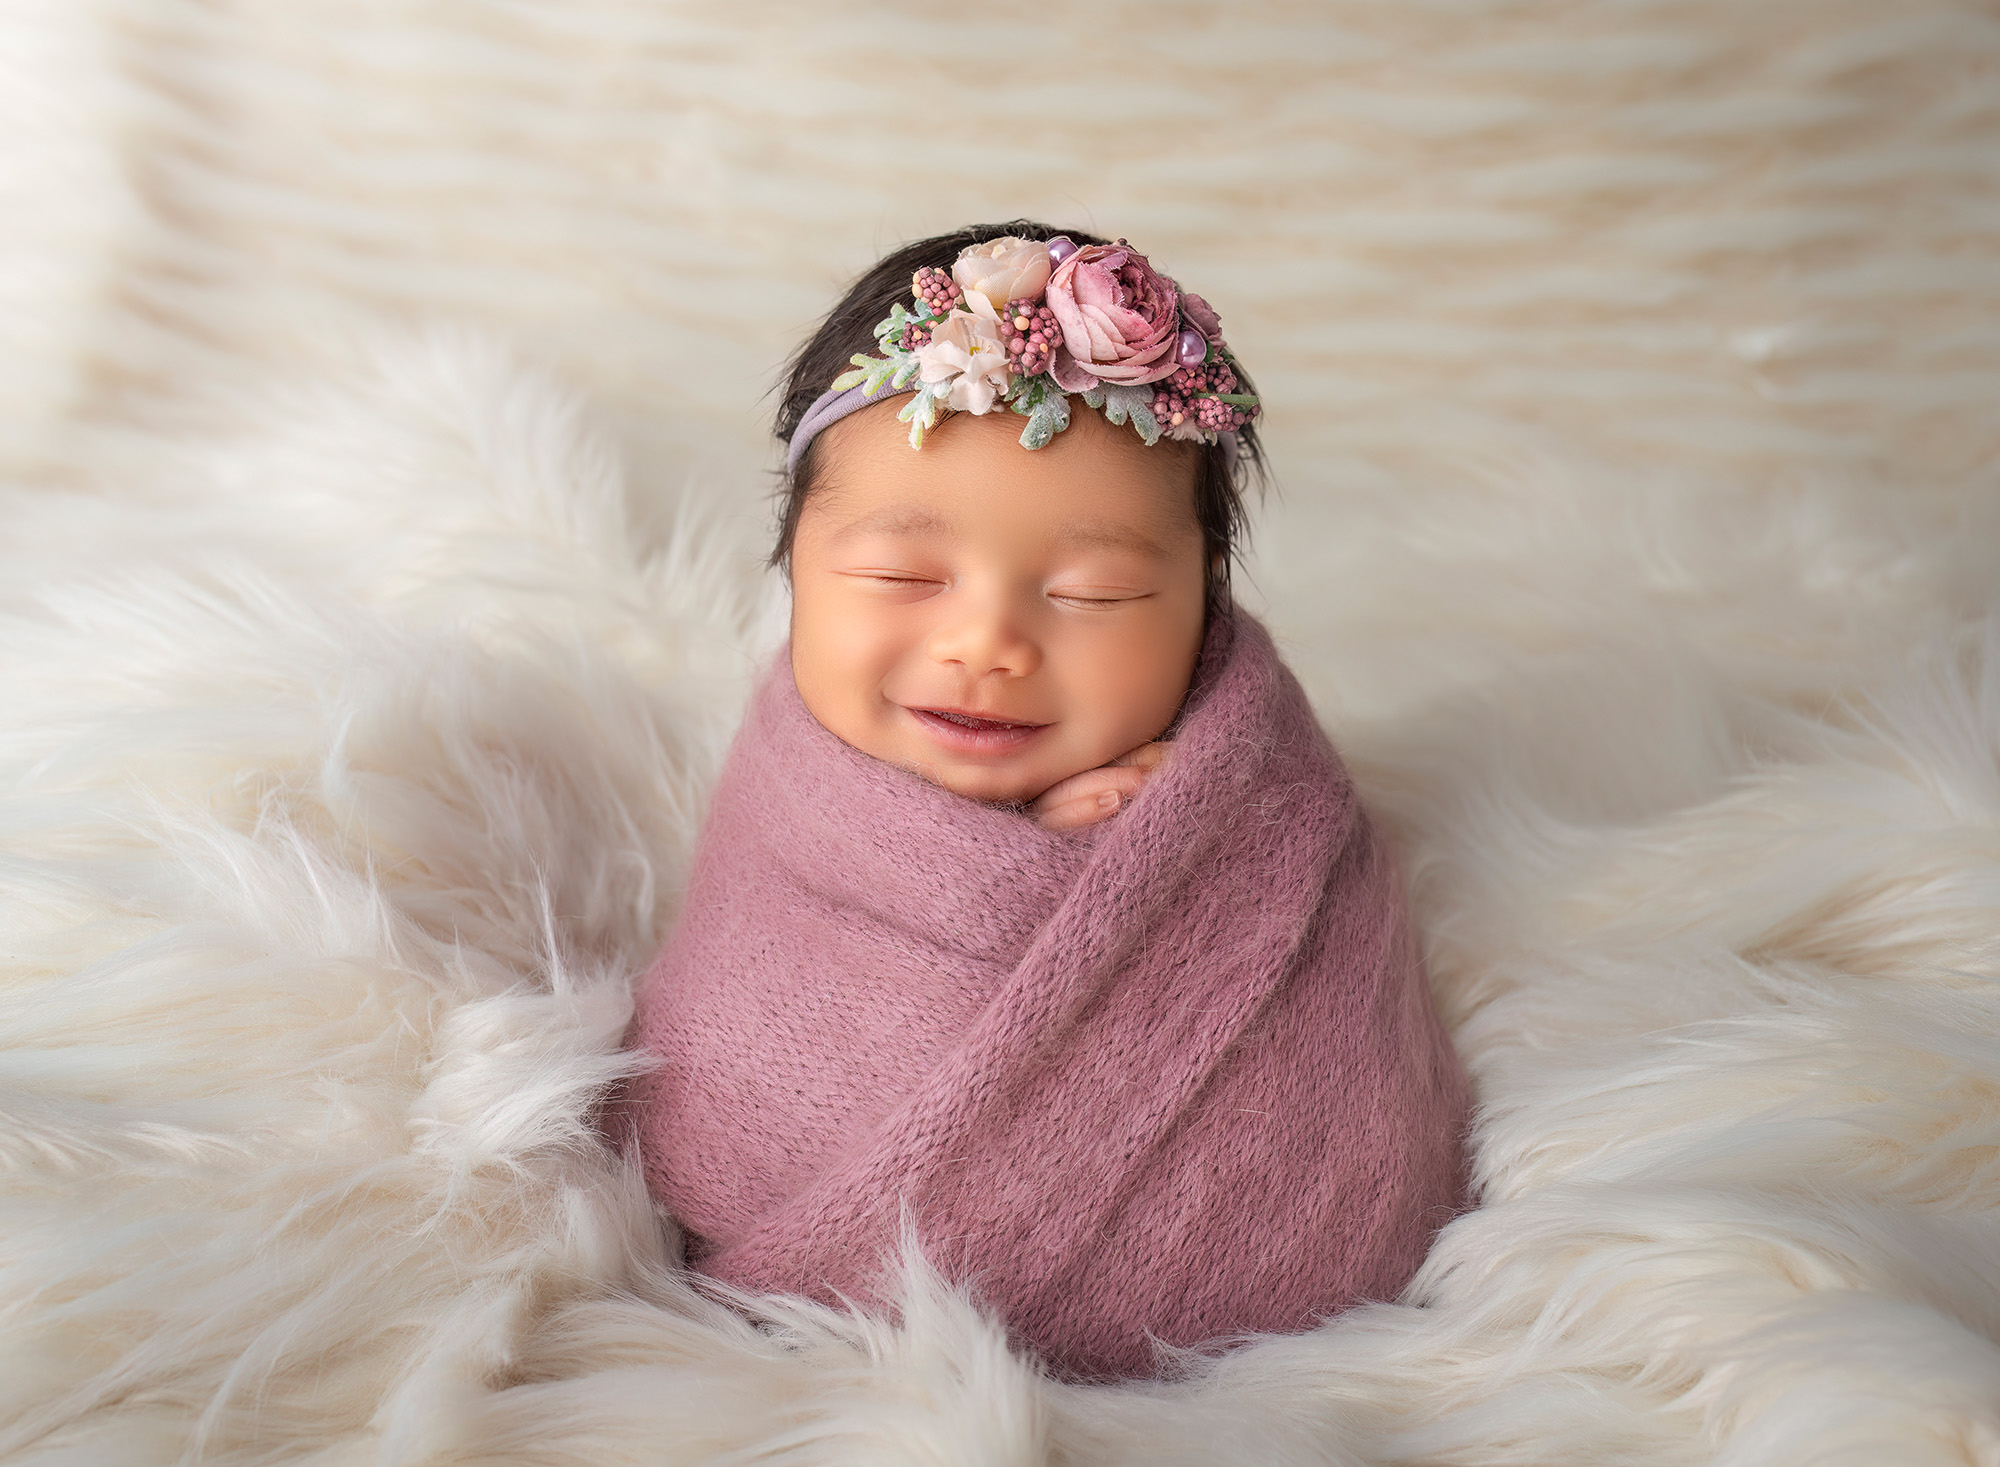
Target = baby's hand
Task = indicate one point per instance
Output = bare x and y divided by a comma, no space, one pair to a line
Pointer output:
1097,794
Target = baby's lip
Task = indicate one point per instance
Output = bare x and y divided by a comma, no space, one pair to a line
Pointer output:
972,734
973,718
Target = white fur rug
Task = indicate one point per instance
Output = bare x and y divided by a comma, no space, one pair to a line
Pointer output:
1633,372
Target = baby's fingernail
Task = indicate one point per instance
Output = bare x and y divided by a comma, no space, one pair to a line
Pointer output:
1108,800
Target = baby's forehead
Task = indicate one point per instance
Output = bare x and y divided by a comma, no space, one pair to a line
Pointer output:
1081,530
972,477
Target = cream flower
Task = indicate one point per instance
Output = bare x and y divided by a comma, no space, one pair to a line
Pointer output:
1002,270
965,350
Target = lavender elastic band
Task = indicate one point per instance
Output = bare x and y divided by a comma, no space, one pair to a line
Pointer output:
830,407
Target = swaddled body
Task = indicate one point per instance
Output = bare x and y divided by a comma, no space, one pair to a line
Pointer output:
1176,1073
1033,905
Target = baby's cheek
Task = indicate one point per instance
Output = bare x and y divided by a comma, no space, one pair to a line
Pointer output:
1123,714
832,673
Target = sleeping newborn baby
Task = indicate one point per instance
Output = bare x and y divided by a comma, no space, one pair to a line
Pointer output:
1034,908
1011,636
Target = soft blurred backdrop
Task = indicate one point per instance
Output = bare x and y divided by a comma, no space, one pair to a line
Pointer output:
384,468
1750,244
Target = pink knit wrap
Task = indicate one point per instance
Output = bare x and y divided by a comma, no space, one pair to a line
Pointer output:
1178,1072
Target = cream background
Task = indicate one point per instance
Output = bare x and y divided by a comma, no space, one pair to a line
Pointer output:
381,416
1745,238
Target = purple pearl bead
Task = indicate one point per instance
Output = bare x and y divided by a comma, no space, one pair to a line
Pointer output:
1060,249
1193,348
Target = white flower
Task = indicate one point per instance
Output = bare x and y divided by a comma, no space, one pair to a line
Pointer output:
1002,270
965,350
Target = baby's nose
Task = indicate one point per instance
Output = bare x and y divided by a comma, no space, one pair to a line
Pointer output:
985,641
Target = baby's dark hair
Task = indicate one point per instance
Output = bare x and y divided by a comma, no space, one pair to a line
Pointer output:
850,327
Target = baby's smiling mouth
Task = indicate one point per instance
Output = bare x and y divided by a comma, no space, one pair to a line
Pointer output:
972,733
974,721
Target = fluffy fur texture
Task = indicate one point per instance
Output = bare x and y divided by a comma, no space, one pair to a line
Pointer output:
1631,373
1178,1074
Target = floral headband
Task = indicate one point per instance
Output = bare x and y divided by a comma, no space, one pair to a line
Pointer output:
1022,323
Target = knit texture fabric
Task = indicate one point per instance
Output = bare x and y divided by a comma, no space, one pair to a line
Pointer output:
1178,1072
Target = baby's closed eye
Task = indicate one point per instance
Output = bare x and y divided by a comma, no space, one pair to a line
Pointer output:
1095,597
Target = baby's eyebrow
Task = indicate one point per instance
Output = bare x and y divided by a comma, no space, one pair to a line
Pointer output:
898,520
1101,535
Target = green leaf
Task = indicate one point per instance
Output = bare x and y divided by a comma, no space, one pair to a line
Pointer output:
867,369
872,372
1048,417
1234,399
1122,403
921,411
1043,404
890,327
1026,394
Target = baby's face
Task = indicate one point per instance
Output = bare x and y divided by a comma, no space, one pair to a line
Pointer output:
991,618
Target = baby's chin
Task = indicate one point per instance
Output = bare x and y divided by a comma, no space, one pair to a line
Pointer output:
988,783
993,782
993,777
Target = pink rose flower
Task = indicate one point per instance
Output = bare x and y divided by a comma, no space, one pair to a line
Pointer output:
1119,316
1004,269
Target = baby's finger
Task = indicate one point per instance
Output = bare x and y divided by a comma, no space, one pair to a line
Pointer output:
1064,790
1087,809
1146,757
1090,782
1090,796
